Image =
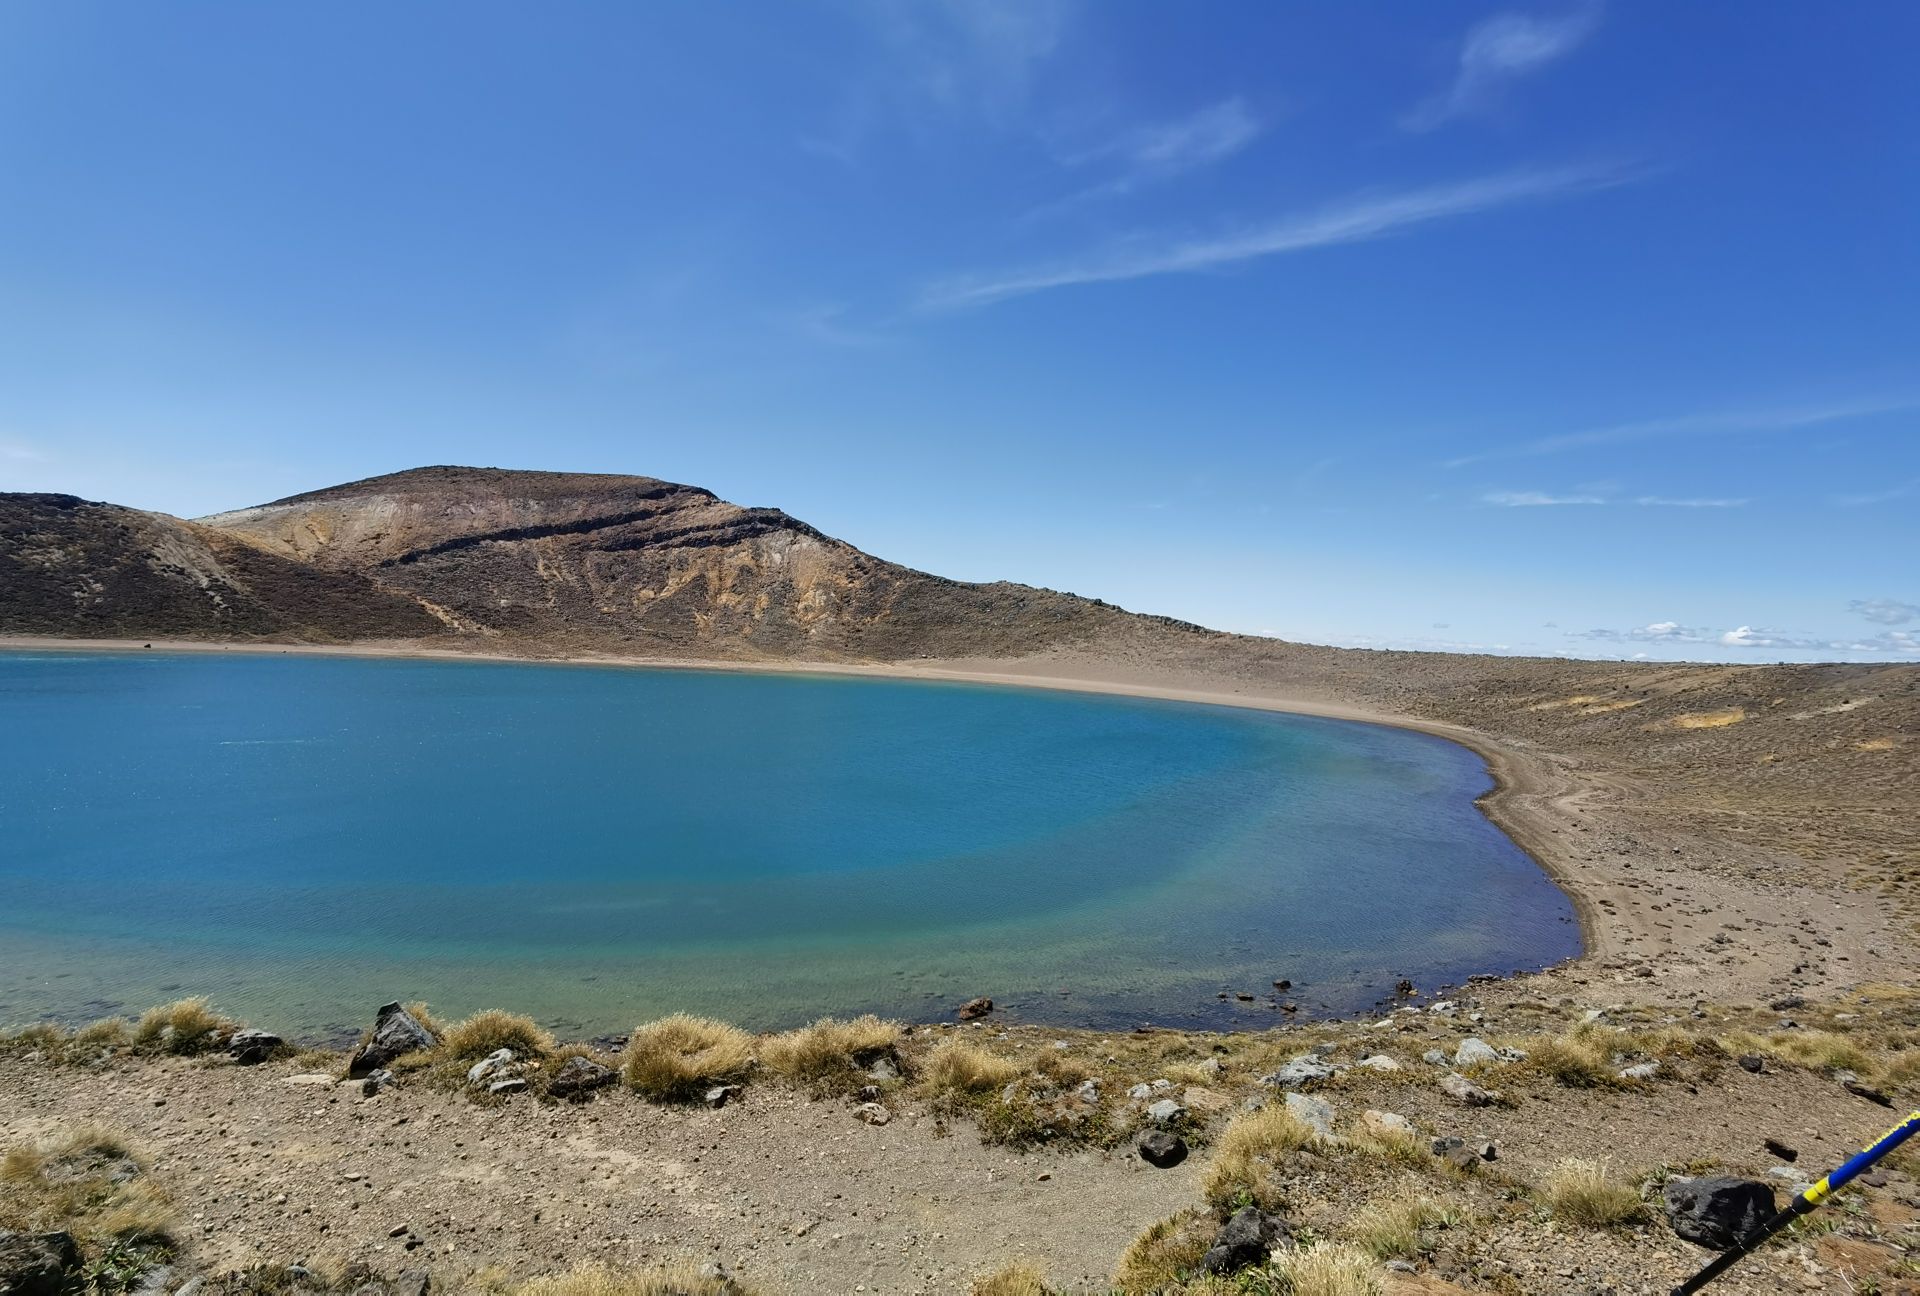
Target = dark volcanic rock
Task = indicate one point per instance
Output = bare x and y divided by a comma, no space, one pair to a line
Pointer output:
36,1264
578,1077
395,1032
1717,1212
974,1009
1244,1240
252,1047
1162,1149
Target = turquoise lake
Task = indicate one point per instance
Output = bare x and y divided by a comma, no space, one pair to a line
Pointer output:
304,838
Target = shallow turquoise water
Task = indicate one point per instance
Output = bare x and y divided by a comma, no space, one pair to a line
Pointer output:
304,838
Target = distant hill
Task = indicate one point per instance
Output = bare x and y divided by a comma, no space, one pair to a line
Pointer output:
517,560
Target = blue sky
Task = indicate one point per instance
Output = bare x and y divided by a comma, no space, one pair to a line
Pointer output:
1562,328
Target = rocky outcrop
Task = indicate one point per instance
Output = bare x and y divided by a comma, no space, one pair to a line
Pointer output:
37,1264
396,1032
1717,1212
1244,1240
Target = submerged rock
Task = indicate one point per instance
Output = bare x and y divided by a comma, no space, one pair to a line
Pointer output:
395,1033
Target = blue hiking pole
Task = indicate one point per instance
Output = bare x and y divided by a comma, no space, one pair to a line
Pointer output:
1805,1202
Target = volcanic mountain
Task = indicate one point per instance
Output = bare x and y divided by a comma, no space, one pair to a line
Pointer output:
548,561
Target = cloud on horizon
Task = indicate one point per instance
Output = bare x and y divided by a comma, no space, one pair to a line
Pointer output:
1498,50
1357,220
1899,643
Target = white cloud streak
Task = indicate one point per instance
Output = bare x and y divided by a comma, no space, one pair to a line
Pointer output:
1903,491
1355,221
1735,423
1536,499
1496,51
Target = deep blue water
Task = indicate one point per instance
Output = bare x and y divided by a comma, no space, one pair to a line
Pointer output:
306,837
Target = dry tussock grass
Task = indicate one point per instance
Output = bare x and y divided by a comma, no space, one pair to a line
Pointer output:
596,1280
491,1030
831,1053
88,1181
678,1058
1330,1269
960,1070
1251,1155
1391,1229
1164,1253
1586,1194
185,1027
1016,1279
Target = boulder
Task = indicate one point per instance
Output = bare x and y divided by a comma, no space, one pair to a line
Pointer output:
1165,1112
395,1033
872,1113
579,1076
1640,1071
1159,1148
511,1085
252,1047
1379,1062
1385,1124
1244,1241
1717,1212
1303,1071
721,1095
1462,1090
1752,1063
409,1282
1315,1113
1088,1092
374,1083
974,1009
37,1264
490,1066
1474,1052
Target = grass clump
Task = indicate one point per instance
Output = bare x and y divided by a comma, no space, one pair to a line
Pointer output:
1586,1194
1330,1269
1165,1253
88,1181
1393,1229
1016,1279
678,1058
1250,1156
832,1054
959,1070
184,1027
1578,1060
489,1031
598,1280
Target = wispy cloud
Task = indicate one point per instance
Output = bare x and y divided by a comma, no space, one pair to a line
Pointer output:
1354,221
1903,491
1496,51
1165,149
1732,423
829,325
1536,499
1884,611
1545,499
1661,501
